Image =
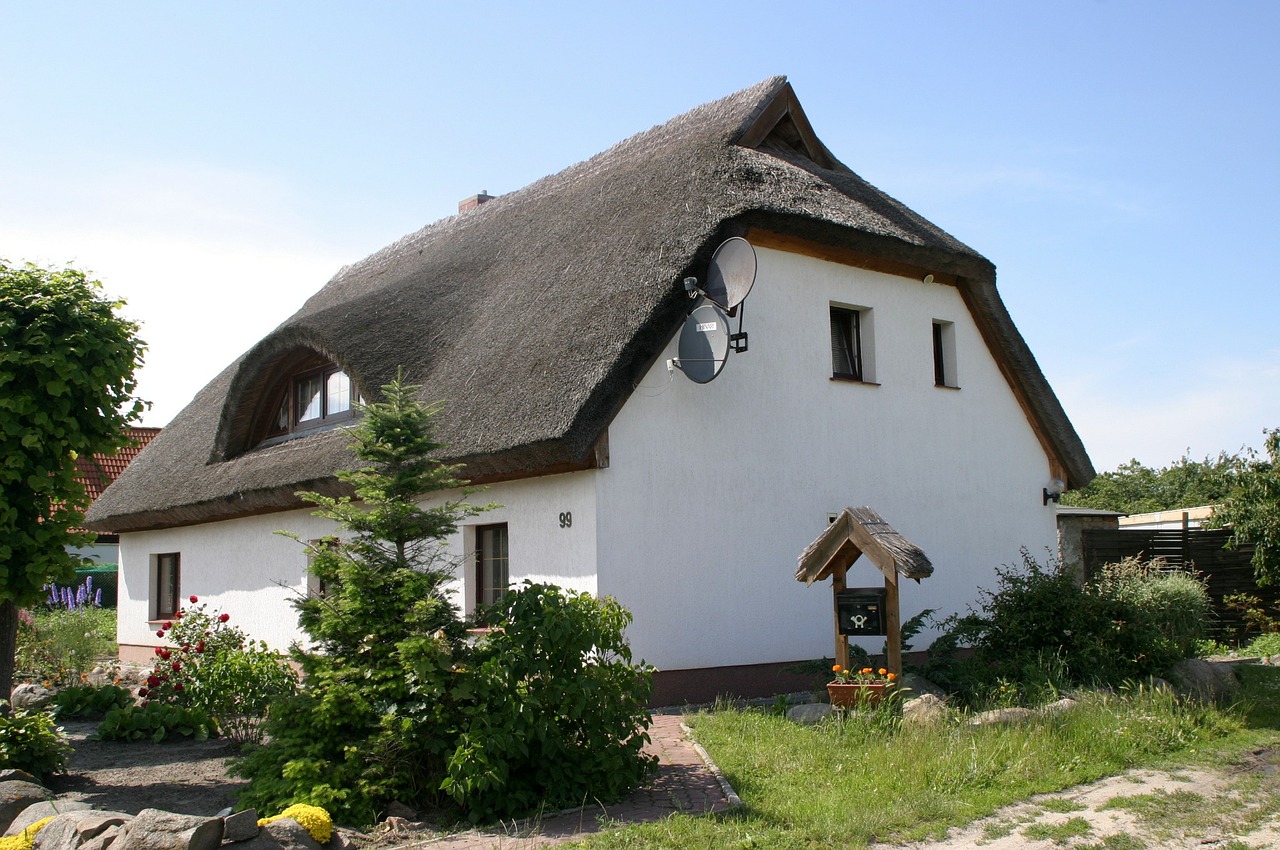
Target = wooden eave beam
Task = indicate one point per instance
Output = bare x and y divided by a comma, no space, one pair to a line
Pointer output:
844,256
785,104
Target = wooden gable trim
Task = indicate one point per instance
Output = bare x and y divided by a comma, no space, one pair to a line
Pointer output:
856,532
844,256
786,106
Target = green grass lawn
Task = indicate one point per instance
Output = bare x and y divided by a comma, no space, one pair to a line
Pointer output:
848,783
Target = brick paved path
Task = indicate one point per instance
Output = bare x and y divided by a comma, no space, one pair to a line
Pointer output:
684,783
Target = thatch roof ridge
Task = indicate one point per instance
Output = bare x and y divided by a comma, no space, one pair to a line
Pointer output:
533,315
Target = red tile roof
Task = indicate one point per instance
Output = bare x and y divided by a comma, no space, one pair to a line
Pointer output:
98,471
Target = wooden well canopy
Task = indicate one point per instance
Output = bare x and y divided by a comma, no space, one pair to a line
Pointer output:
854,533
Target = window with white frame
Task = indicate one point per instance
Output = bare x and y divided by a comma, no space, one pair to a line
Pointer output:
166,585
852,344
944,354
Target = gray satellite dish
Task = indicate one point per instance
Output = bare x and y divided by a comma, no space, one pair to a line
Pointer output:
732,273
704,343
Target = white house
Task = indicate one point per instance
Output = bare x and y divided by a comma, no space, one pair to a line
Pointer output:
881,369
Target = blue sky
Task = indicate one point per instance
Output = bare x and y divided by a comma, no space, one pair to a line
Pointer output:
215,164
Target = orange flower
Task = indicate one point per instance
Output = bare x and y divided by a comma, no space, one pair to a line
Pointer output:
865,670
892,677
836,668
882,671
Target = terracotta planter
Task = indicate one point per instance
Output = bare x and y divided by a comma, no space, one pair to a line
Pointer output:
855,694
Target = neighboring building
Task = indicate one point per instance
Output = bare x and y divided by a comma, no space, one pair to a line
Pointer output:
882,370
1176,518
96,472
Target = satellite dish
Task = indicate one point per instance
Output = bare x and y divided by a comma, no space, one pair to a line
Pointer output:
731,273
704,343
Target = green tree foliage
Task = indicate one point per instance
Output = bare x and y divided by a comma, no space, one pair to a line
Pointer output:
1253,509
67,365
377,715
1136,489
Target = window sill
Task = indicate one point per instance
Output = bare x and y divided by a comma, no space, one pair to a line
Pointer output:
840,379
945,387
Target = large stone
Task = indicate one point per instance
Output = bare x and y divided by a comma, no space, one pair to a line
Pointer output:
73,830
999,716
283,834
1205,680
240,826
809,713
11,773
108,839
40,811
153,829
16,795
1059,706
28,696
926,710
916,685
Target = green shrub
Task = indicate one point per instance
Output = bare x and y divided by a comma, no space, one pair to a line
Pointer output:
30,741
559,712
214,668
1268,644
155,721
60,646
1043,631
88,701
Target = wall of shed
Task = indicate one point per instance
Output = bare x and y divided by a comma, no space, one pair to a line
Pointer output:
714,490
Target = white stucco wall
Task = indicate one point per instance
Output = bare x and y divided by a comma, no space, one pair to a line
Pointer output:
244,568
715,489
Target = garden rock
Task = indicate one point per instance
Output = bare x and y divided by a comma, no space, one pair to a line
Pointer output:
13,773
927,710
30,696
1001,715
153,829
809,713
16,795
240,826
1206,680
73,830
1060,706
397,809
283,834
40,811
918,686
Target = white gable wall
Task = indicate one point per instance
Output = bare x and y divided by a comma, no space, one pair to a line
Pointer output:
715,489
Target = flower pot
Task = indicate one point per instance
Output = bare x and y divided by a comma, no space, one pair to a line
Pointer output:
855,694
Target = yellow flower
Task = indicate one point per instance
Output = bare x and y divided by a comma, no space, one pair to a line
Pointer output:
24,839
314,820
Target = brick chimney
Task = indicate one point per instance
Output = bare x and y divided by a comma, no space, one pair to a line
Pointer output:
474,201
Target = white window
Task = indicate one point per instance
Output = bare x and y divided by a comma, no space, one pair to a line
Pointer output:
166,585
944,354
852,344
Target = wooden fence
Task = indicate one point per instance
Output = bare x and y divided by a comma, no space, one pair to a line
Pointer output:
1200,550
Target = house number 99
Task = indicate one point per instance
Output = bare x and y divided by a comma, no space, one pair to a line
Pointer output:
566,519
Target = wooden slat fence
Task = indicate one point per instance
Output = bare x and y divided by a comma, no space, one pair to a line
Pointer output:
1201,550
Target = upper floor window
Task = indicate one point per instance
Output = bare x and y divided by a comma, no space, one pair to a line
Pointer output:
944,354
312,399
852,358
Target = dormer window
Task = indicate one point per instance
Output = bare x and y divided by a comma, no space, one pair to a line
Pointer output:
311,400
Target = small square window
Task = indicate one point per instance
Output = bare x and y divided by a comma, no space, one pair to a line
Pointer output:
166,585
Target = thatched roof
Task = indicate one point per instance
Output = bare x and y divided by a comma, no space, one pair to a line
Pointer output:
533,316
856,532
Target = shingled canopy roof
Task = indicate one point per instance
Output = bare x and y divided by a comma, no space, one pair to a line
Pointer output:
856,532
533,316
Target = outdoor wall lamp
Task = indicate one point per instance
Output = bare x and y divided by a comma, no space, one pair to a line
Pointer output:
1053,492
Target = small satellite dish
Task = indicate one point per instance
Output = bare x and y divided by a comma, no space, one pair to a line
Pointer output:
704,343
731,274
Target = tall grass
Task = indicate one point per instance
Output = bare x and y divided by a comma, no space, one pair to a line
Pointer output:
59,645
867,779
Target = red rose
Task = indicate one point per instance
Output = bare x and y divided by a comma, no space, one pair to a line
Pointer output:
159,650
177,665
168,626
145,703
194,600
177,616
199,647
177,687
142,692
222,618
164,654
160,633
153,681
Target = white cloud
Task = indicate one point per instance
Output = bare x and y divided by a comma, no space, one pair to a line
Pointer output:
208,261
1218,404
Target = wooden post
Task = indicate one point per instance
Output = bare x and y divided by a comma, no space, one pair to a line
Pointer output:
892,623
842,641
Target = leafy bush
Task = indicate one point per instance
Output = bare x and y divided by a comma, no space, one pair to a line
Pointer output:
559,712
214,668
1268,644
81,701
1042,631
155,721
61,646
30,741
